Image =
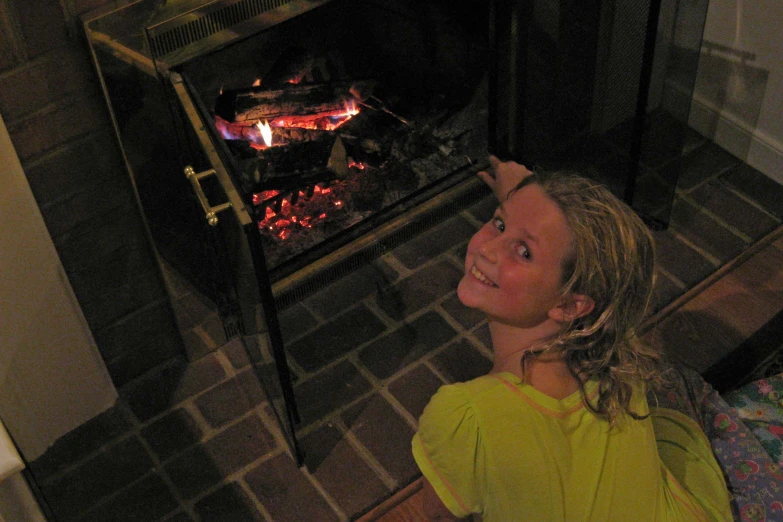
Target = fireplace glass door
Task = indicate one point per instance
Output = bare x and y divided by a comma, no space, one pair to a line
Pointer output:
275,153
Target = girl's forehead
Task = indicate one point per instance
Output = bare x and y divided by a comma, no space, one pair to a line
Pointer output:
531,198
531,209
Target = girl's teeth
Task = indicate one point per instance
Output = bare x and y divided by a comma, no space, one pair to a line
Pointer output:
480,276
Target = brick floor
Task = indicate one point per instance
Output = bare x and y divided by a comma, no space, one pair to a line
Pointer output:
198,441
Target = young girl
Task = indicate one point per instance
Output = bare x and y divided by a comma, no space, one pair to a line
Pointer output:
560,429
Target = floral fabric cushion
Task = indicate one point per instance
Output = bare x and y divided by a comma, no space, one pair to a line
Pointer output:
760,405
753,477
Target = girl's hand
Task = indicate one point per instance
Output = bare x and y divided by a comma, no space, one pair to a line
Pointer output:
503,176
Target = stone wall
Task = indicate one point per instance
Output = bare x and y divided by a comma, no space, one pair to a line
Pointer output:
52,103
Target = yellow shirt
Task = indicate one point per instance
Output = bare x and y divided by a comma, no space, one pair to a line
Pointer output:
499,447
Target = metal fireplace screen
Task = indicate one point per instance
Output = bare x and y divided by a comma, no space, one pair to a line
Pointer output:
333,121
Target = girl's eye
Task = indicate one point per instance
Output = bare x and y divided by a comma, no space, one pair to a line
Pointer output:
499,224
523,251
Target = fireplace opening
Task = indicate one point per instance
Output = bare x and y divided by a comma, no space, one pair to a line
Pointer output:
366,106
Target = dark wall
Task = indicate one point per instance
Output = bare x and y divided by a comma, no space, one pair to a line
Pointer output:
52,104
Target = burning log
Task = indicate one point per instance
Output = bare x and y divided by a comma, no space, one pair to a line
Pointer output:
289,103
253,133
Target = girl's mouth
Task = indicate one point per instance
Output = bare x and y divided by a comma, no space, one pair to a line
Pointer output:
478,274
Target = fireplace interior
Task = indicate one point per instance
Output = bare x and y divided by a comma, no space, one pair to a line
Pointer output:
368,105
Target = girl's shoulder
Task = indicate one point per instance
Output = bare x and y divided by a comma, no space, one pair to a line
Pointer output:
464,394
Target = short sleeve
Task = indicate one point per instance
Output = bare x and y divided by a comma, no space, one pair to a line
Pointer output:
448,452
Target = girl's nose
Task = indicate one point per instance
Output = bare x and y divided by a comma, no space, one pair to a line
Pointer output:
487,249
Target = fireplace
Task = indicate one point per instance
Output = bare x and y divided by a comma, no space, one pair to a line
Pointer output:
277,145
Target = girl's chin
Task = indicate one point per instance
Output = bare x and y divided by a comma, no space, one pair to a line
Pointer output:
466,292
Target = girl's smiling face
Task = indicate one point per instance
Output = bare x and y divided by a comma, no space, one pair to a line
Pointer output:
513,268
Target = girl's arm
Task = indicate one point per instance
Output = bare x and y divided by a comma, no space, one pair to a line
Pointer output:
433,506
502,177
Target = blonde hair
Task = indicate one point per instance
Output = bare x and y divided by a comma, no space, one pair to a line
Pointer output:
612,261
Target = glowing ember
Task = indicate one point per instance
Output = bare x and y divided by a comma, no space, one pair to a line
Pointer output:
262,196
324,121
282,218
266,132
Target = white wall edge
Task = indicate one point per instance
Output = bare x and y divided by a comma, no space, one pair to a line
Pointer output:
754,147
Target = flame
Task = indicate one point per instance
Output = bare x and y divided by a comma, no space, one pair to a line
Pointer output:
350,108
257,83
266,132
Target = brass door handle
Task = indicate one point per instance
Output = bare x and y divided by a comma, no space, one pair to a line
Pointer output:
210,212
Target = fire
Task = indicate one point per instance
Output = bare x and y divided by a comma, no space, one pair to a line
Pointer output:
257,83
350,108
266,132
323,121
281,218
305,207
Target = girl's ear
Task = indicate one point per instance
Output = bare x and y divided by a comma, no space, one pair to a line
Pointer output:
572,307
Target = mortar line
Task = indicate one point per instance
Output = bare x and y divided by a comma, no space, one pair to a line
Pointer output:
366,455
675,230
731,228
324,494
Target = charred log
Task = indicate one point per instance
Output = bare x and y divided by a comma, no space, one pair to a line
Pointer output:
302,163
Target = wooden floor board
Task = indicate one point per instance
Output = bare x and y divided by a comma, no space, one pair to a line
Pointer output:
721,316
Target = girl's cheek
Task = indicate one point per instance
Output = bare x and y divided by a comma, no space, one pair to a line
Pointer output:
477,240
